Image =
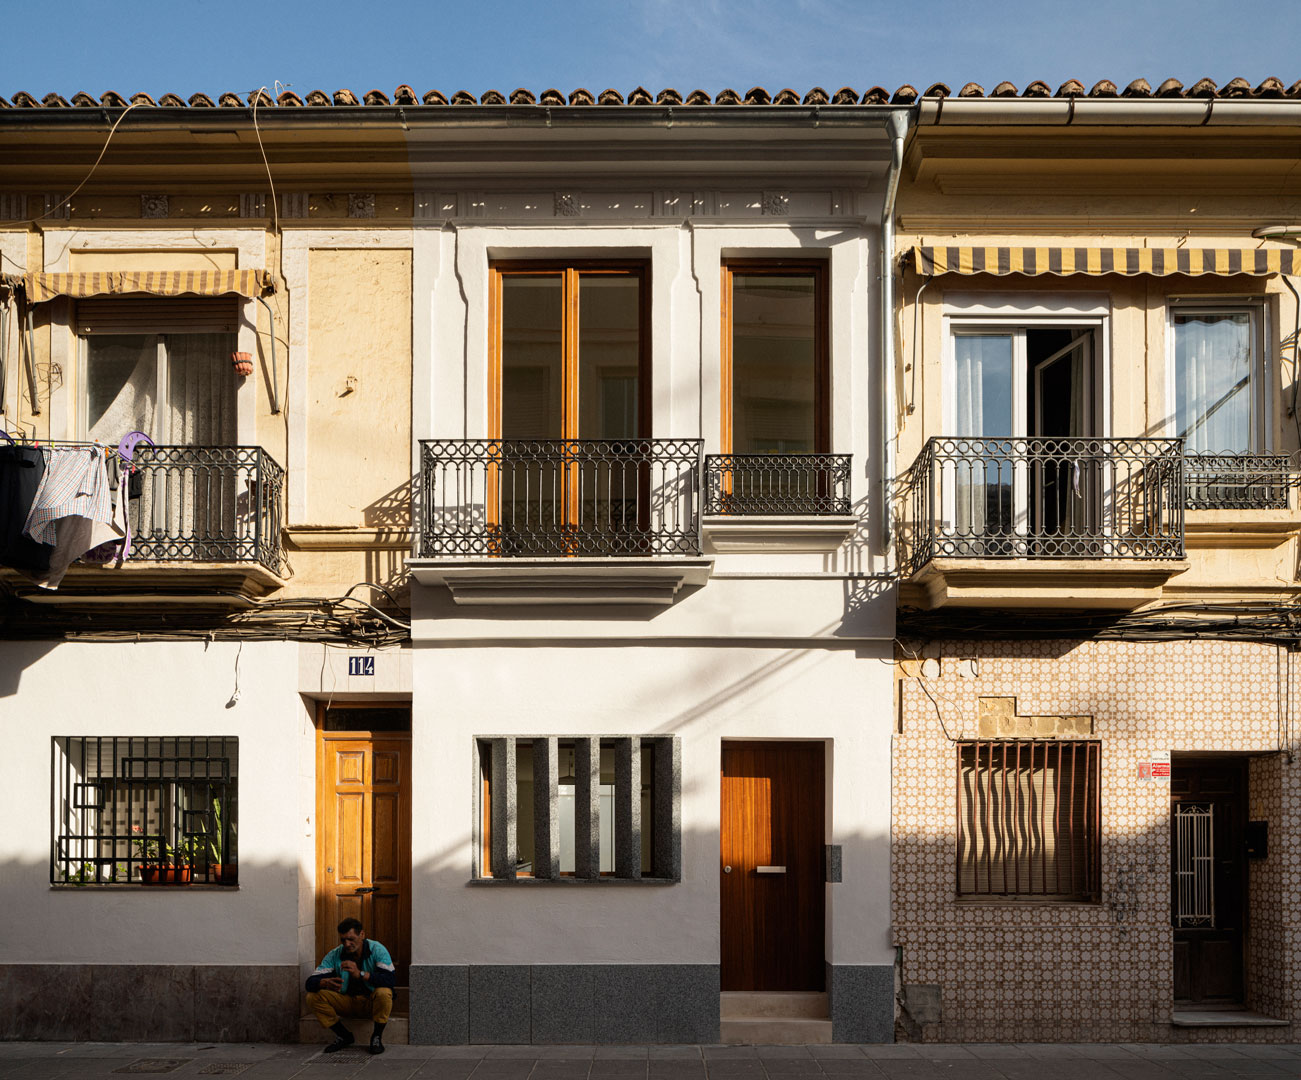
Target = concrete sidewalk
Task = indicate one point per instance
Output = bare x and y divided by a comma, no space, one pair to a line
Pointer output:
974,1061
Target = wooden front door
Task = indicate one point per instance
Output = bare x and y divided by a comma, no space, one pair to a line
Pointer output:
1208,879
364,840
772,892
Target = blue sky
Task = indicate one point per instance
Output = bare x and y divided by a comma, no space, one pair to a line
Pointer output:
214,45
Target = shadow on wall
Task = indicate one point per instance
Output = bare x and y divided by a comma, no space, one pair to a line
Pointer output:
393,512
16,657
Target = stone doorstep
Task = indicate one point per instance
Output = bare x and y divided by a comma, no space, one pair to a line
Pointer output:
1214,1018
785,1005
395,1032
771,1031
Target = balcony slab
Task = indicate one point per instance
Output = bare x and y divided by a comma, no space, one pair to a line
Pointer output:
772,533
152,584
1075,584
562,581
1240,528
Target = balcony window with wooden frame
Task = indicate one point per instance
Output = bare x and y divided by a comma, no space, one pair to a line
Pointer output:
578,809
569,403
775,384
1028,820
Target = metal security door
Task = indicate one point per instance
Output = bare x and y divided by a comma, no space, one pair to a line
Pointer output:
1208,881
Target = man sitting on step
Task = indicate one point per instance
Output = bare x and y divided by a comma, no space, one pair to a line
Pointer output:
356,979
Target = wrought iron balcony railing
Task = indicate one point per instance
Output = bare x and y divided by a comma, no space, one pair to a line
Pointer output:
559,497
216,504
1238,481
1043,498
777,484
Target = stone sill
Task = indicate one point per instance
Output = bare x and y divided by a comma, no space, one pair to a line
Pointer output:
204,584
651,581
349,538
777,533
539,883
1074,584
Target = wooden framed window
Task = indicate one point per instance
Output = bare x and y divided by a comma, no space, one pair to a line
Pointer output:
570,350
553,808
1028,820
776,373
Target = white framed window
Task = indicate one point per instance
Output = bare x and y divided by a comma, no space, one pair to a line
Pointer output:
1217,388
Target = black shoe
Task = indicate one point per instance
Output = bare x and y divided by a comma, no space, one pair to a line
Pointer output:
376,1045
340,1043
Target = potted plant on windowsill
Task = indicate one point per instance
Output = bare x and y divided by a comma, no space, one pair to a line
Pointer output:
160,863
222,867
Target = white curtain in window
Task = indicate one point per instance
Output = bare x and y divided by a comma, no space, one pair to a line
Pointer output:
982,407
1213,362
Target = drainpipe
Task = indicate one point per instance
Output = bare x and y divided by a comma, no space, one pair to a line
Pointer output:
898,130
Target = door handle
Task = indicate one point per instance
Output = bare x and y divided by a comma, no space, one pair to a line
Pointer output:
770,869
727,869
366,889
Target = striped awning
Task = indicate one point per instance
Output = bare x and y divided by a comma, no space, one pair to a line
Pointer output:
42,287
1159,262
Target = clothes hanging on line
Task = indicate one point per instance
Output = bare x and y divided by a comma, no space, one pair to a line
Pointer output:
21,470
72,509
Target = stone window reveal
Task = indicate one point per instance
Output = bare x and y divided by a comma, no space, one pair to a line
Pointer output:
581,808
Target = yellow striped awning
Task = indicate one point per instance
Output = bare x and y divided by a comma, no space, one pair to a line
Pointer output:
42,287
1159,262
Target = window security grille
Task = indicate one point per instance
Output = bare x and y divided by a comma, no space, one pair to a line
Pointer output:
556,808
1028,813
125,807
1194,859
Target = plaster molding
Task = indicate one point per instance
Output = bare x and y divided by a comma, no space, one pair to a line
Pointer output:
154,206
294,204
773,533
531,582
13,207
361,205
252,205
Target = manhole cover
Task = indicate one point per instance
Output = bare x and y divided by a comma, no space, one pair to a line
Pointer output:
154,1065
224,1068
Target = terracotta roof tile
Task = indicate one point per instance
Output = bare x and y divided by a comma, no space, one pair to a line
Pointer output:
757,96
4,103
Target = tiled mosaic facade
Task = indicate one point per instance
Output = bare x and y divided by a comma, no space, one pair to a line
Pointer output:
1049,971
